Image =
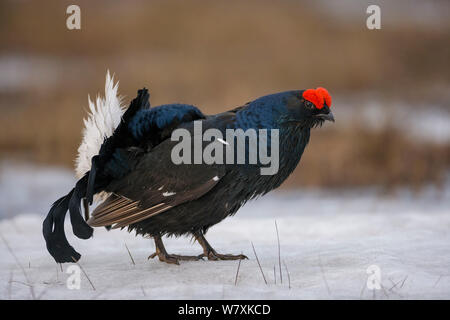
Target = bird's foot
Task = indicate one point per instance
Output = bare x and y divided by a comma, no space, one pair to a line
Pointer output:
174,258
213,255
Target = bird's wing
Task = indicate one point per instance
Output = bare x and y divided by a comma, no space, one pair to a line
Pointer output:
155,185
141,127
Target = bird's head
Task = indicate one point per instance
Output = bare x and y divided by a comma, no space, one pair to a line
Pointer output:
309,107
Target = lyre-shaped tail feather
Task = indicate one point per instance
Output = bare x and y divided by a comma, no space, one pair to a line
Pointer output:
53,225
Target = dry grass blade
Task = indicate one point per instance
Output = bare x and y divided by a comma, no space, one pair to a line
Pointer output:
363,289
131,257
42,293
274,274
20,266
95,297
84,272
323,276
384,291
401,286
279,252
288,275
259,264
11,278
237,272
21,282
394,284
437,281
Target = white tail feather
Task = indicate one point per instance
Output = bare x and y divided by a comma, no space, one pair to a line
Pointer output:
103,119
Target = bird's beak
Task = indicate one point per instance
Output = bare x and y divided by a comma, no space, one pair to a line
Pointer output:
329,116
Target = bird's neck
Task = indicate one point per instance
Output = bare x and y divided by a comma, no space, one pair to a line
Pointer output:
293,137
293,140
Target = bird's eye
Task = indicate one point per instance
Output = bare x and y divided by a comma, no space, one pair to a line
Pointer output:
309,104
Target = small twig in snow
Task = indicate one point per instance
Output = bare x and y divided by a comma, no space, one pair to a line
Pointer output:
436,283
95,297
92,285
257,260
287,271
131,257
274,274
323,276
10,284
384,291
21,282
237,272
20,266
42,293
279,252
143,291
394,284
363,288
401,286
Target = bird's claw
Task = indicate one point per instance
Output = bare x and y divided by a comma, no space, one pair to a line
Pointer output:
167,258
214,256
173,258
186,258
154,254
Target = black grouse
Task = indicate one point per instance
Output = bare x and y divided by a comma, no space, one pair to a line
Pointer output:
147,191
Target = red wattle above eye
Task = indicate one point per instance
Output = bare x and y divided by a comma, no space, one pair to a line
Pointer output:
325,95
312,96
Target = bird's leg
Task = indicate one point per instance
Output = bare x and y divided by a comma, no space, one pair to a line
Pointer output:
211,254
169,258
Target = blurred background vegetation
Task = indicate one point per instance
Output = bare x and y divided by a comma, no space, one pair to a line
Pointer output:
390,86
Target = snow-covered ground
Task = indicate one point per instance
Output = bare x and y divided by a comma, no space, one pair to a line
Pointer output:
328,242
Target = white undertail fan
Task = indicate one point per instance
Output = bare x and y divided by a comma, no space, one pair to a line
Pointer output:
104,117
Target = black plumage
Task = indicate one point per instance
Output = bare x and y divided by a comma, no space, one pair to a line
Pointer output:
153,196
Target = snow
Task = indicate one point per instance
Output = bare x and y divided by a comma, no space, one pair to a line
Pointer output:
26,188
328,241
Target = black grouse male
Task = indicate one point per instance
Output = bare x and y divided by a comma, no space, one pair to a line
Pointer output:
149,193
